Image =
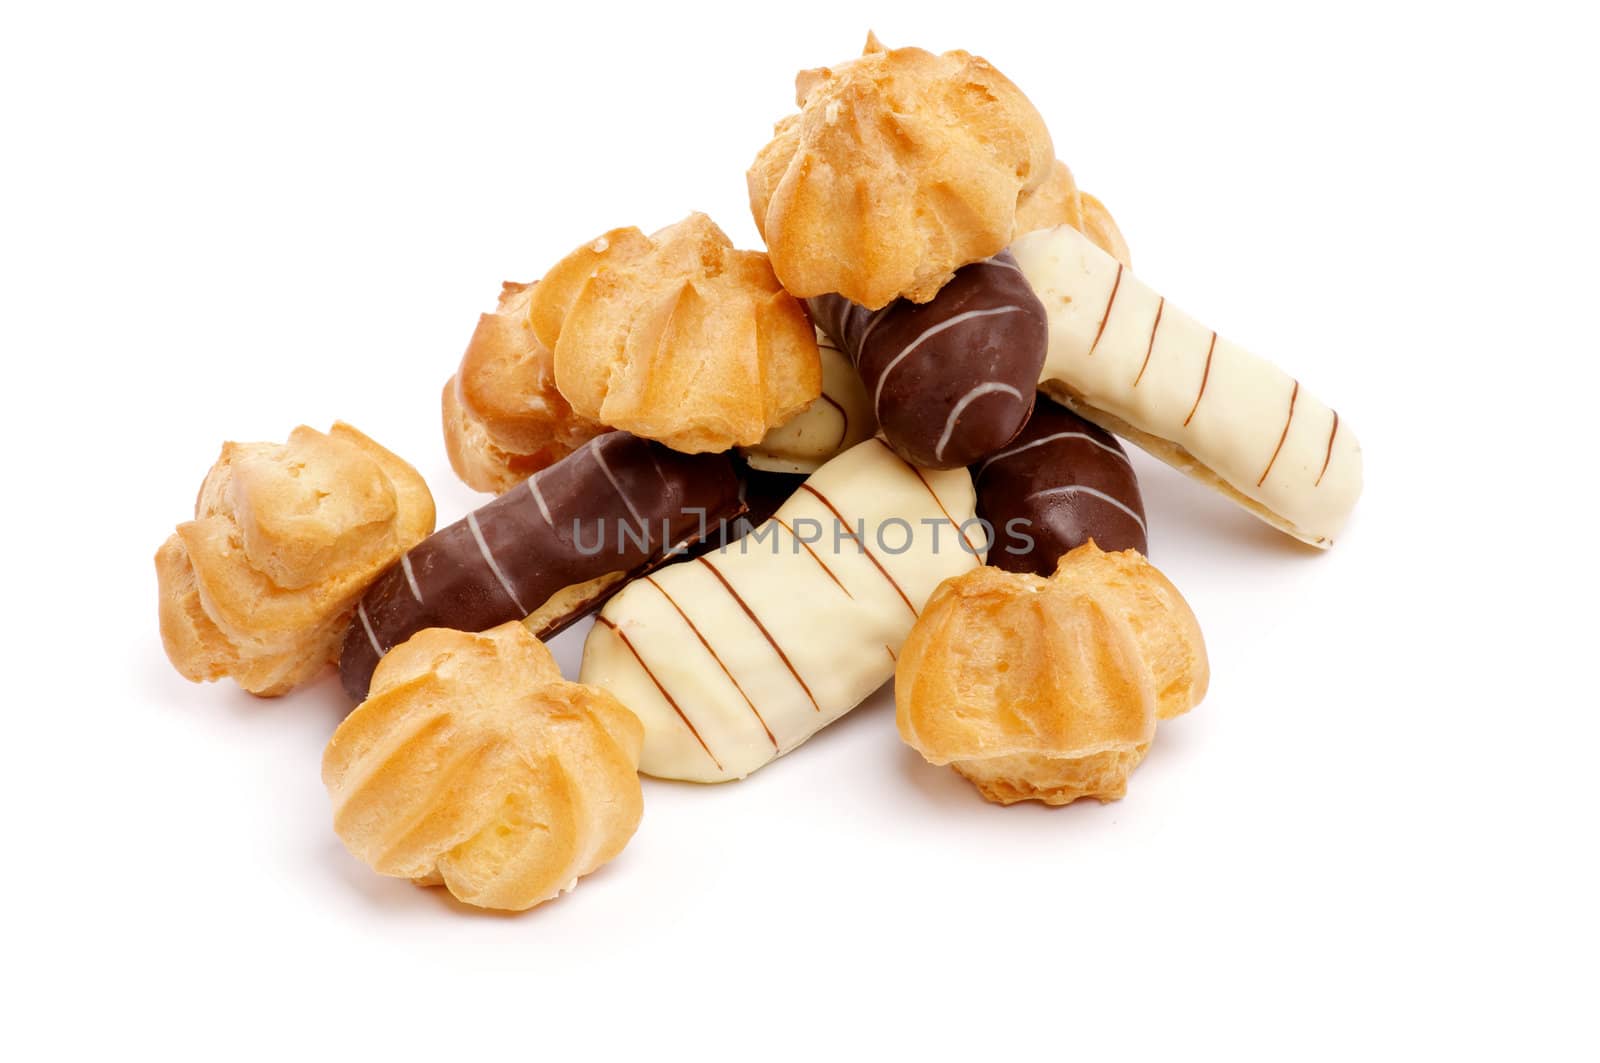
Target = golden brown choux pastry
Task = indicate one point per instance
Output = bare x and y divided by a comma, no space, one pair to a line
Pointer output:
473,765
901,167
504,420
261,584
1060,202
677,337
1049,689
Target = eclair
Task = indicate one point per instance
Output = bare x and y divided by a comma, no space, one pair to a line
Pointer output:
1126,360
1063,482
950,380
549,550
736,657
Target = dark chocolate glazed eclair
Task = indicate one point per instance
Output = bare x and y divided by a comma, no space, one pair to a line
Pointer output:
1061,482
951,380
549,550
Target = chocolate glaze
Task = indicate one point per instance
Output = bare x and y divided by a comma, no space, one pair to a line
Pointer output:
948,389
508,558
1069,481
763,493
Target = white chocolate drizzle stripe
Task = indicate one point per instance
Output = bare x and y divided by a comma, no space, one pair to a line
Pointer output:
1085,436
366,624
494,566
1076,489
991,387
605,468
932,330
538,498
873,319
411,577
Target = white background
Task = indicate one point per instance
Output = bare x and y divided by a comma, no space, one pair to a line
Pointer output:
1376,835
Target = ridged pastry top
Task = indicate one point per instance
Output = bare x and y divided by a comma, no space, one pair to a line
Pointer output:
1049,688
473,764
284,540
677,337
901,167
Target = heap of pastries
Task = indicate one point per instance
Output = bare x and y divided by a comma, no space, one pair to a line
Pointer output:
776,479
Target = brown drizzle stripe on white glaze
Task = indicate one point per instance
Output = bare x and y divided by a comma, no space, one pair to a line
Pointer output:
712,650
1124,358
622,637
737,657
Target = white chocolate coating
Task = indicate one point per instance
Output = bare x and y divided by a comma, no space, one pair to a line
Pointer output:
837,420
1125,358
735,658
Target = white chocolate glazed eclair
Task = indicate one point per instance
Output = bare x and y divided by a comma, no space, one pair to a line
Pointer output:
736,657
1123,357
